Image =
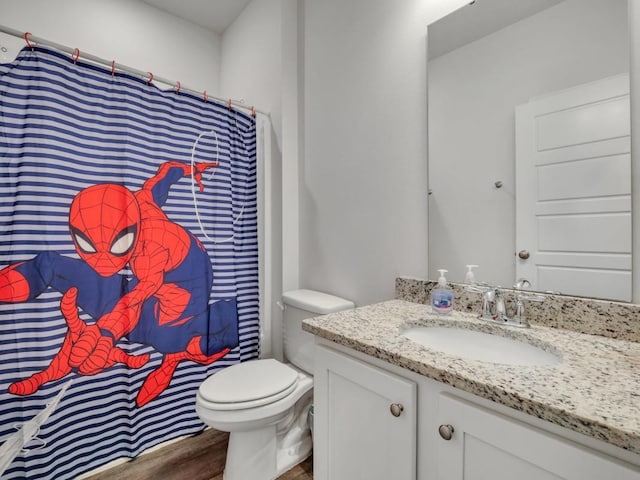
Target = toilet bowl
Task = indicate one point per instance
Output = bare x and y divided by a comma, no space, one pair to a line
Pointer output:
258,446
264,404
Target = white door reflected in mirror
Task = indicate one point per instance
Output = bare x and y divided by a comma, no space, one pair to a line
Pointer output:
573,190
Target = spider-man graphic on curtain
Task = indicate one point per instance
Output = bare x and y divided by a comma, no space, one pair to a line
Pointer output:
164,305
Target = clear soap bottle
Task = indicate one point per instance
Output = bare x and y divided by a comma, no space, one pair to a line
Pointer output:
442,295
469,277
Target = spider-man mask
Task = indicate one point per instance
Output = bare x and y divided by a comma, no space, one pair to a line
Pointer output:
104,221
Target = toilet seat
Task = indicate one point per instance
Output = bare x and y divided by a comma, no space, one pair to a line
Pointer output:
248,385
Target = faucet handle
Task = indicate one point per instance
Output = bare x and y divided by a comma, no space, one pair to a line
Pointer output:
523,284
530,297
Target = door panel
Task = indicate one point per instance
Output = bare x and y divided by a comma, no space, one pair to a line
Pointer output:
597,177
486,445
583,124
601,232
503,464
591,283
585,205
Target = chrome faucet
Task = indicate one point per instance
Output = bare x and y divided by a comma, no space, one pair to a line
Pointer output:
494,308
518,315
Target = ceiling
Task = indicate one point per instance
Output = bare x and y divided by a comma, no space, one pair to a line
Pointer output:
479,19
461,27
215,15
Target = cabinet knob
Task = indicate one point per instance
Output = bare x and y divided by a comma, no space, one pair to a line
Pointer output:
446,431
396,409
524,254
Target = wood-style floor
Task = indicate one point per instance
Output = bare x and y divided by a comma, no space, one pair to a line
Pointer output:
197,458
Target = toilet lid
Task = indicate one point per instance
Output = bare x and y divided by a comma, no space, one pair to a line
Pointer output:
248,382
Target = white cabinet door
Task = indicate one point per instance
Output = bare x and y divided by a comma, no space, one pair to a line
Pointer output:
359,431
486,445
573,190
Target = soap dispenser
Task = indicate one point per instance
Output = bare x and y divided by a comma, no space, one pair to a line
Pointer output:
442,295
469,277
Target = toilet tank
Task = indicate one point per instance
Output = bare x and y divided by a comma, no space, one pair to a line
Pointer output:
301,304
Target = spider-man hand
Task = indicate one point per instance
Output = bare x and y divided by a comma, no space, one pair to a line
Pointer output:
61,363
88,356
198,169
194,170
90,353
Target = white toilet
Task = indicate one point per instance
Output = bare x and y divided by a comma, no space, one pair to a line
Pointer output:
264,404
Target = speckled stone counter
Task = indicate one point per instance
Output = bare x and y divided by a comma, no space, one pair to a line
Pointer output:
595,390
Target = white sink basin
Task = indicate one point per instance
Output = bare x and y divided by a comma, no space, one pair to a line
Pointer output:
484,347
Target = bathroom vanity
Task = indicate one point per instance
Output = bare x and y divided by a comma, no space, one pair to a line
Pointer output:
389,406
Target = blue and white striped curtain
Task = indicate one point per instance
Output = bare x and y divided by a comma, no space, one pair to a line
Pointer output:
73,136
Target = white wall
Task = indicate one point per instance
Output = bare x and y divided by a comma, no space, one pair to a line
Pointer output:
251,69
363,206
251,60
472,95
309,54
128,31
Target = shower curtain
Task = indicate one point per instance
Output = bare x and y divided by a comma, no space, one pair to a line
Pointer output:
128,260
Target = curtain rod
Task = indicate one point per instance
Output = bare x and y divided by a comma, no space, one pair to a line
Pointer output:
28,37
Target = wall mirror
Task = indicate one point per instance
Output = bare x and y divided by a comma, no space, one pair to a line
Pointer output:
529,145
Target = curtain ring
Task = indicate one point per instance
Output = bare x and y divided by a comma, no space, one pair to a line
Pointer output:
150,78
204,96
113,68
76,55
26,39
177,86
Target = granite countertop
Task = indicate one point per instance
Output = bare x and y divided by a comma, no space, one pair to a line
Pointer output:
595,390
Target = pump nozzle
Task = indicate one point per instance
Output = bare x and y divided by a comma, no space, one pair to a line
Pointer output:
441,279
